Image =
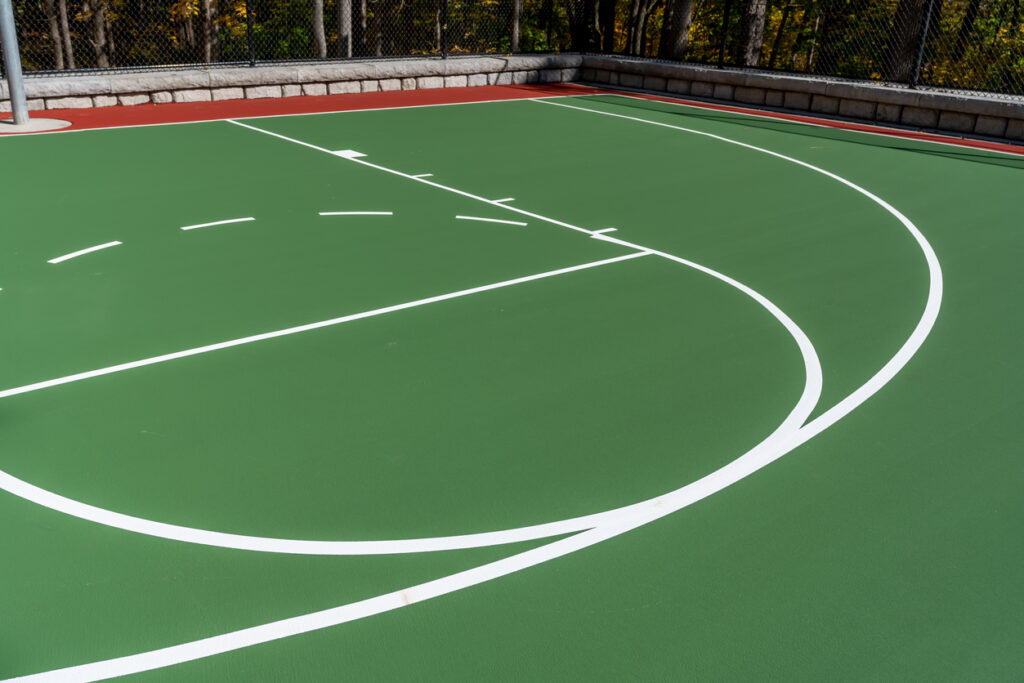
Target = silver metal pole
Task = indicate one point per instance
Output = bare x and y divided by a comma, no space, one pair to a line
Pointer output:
12,63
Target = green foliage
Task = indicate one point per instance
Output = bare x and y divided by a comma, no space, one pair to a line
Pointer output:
840,37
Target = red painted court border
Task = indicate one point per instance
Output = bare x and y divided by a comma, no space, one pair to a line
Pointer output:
184,112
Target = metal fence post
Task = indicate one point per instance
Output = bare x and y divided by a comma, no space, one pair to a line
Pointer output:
248,35
920,47
12,63
444,29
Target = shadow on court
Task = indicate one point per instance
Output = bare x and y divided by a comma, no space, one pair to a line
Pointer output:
818,132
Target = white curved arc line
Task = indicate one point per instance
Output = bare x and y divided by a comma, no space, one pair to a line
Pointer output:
766,452
621,521
935,285
175,532
544,530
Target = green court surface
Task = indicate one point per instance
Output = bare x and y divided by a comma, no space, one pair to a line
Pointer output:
425,416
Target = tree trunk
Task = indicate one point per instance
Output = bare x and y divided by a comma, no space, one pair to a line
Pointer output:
359,29
210,48
62,10
94,10
900,57
638,11
751,32
51,19
675,33
517,12
778,35
582,16
606,18
345,28
319,36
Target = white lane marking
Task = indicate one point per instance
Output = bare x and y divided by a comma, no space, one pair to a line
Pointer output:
302,114
490,220
894,135
348,154
424,175
935,284
54,501
400,174
80,252
576,524
207,225
626,520
506,199
601,232
356,213
305,328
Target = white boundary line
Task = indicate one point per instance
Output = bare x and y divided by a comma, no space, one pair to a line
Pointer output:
820,123
111,369
490,220
207,225
782,441
357,213
297,114
80,252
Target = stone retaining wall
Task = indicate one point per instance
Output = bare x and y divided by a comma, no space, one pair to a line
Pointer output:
998,117
230,83
994,116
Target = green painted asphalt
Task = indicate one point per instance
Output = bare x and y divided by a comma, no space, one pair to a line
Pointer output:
883,549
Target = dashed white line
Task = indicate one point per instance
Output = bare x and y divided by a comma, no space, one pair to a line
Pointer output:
357,213
490,220
80,252
207,225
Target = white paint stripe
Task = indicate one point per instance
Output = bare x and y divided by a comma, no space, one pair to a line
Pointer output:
894,134
80,252
348,153
424,175
358,610
281,116
304,328
356,213
601,232
777,445
207,225
506,199
490,220
542,530
420,180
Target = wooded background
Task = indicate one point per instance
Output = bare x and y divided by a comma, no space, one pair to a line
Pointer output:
971,44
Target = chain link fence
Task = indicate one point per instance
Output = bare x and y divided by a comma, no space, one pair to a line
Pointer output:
965,44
